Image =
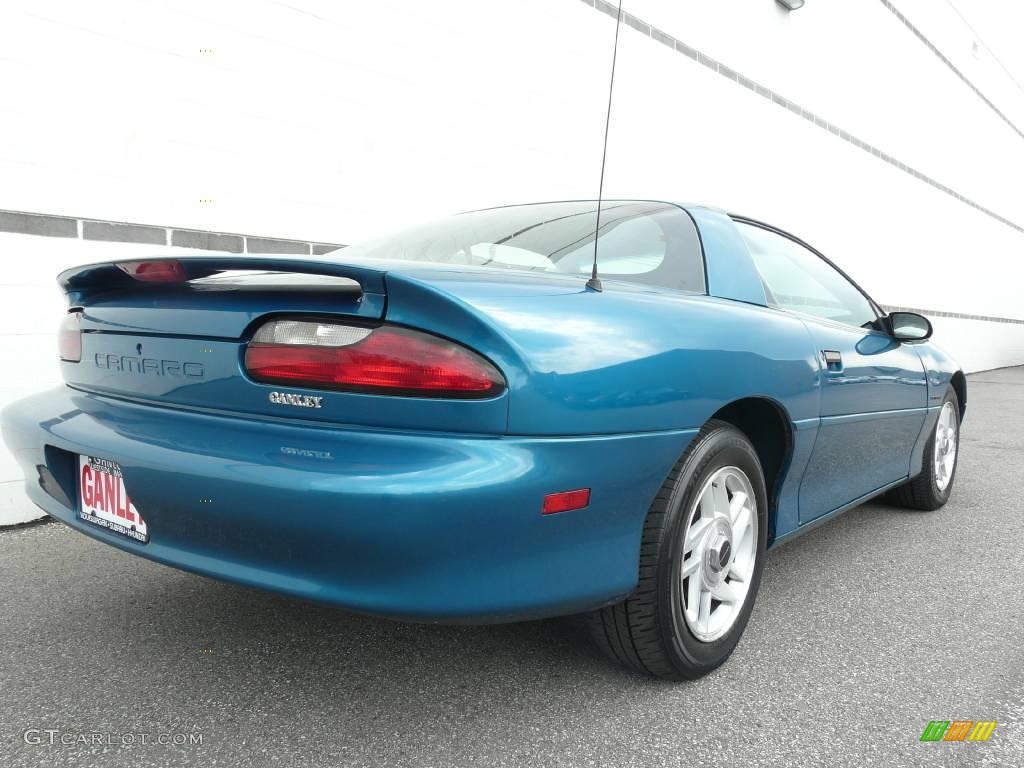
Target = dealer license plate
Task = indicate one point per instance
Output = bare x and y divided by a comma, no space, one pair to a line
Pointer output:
103,499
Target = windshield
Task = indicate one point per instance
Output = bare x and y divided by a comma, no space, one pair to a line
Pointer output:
646,242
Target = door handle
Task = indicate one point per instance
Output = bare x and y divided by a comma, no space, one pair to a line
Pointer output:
833,360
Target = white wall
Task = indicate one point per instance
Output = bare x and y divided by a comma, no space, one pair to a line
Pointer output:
331,121
906,242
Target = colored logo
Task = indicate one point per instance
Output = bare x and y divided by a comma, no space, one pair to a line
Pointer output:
958,730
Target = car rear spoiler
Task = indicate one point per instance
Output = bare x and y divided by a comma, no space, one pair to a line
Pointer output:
81,284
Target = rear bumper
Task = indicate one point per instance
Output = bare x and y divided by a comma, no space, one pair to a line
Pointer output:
422,526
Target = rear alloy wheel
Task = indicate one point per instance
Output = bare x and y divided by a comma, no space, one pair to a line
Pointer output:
719,551
700,563
931,488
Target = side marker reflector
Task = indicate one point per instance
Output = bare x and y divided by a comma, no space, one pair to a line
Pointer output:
566,501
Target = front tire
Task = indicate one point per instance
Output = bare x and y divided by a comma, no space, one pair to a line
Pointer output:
701,558
934,484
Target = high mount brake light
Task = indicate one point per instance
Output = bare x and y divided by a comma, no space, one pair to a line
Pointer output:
383,360
69,338
161,271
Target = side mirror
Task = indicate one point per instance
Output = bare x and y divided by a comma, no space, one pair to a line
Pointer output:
909,326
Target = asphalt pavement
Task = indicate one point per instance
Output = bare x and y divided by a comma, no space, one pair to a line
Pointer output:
864,630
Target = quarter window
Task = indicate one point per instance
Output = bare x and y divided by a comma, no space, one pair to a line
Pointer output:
800,280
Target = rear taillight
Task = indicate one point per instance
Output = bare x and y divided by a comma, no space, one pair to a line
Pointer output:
161,271
385,360
69,338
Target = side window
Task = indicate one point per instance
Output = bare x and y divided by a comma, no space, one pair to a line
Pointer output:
799,280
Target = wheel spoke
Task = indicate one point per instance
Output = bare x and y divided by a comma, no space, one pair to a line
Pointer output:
721,497
693,598
707,503
694,534
736,506
738,571
726,592
741,526
691,566
704,614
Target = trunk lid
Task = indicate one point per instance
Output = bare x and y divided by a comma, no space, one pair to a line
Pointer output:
182,343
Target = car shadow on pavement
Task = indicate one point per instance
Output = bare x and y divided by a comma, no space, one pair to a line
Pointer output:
97,636
226,629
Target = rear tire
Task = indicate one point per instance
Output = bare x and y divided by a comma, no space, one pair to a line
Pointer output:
673,626
931,488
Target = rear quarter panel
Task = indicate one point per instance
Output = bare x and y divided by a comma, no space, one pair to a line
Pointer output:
627,359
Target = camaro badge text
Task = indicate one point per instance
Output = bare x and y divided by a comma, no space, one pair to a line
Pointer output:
149,365
303,401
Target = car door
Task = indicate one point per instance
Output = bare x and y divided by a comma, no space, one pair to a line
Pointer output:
873,389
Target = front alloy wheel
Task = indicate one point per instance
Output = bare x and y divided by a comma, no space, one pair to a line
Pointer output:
945,446
933,484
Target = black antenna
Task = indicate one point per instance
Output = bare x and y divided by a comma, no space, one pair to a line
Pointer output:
594,283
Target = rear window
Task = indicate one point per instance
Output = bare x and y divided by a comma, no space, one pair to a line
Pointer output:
642,242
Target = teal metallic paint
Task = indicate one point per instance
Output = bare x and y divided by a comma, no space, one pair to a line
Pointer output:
730,268
430,509
872,408
418,525
627,359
